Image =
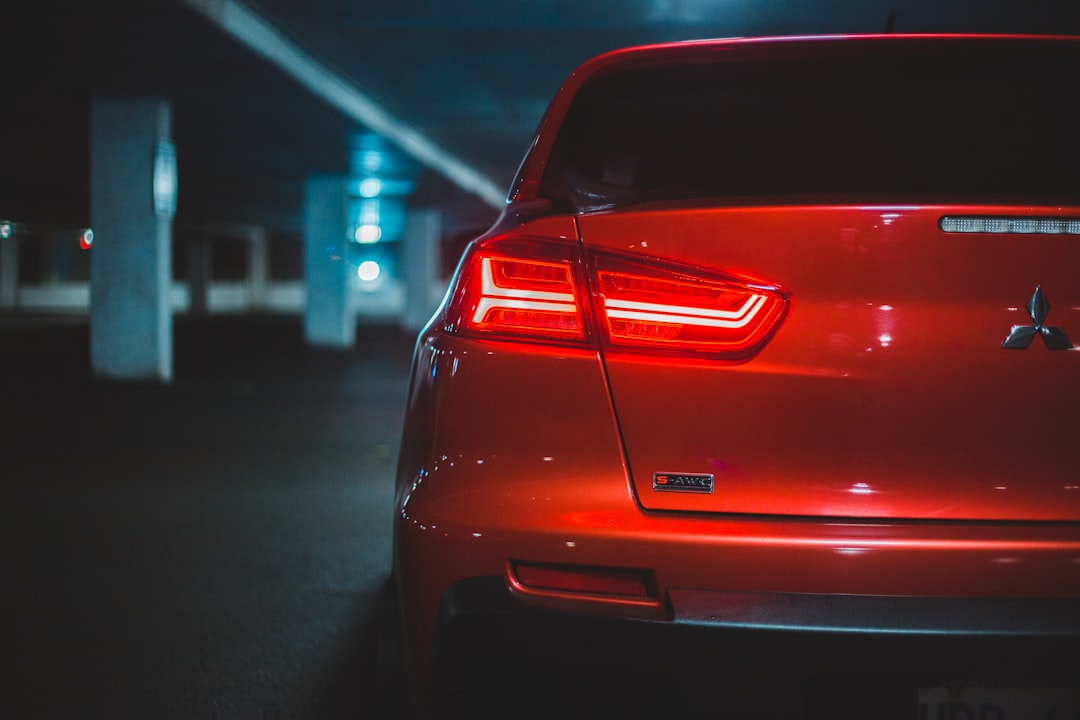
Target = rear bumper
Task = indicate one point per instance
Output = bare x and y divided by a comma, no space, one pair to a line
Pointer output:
824,653
743,599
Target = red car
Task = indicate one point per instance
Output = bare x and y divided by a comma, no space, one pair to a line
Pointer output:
763,394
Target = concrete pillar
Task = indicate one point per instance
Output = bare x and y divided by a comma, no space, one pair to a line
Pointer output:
421,265
258,268
328,318
131,212
9,271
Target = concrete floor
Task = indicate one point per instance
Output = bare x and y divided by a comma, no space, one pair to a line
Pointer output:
212,548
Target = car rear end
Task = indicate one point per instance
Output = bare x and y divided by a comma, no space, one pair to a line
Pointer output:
768,368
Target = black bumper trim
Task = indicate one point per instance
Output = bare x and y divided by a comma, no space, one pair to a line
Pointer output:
801,635
799,612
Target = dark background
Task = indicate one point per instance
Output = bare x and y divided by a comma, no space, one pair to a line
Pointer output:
473,76
217,547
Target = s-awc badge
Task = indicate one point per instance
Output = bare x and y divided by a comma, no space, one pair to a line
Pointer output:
682,482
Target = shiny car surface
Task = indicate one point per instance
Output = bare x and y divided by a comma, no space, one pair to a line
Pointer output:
768,366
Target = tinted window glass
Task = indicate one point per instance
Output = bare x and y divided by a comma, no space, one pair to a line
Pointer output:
976,120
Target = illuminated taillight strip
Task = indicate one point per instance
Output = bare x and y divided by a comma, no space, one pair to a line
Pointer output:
494,296
1010,225
652,312
487,304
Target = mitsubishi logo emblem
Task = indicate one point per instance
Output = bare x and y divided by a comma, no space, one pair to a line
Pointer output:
1021,335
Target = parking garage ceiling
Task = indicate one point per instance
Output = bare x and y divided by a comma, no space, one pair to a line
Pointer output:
471,77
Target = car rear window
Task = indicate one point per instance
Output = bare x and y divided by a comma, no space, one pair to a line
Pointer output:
974,120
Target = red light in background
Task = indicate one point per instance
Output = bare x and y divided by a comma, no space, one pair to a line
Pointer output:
86,240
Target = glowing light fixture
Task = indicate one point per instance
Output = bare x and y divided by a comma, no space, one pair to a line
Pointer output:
370,187
368,271
367,234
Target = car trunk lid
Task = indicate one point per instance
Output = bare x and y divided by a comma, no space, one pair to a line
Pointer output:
886,392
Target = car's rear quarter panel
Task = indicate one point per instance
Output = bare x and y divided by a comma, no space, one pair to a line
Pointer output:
524,447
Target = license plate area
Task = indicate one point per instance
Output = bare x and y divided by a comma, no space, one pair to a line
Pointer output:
997,701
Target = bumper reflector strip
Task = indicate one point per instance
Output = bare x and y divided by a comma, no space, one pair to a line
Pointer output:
588,580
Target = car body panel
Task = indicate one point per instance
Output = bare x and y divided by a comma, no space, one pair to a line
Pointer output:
886,392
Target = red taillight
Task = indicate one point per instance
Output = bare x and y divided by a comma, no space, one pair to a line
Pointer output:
534,288
521,288
655,306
